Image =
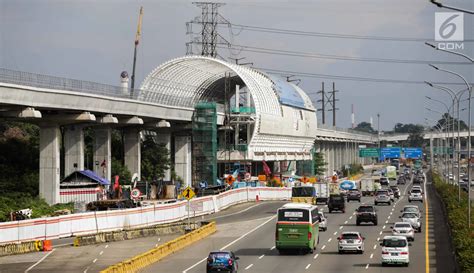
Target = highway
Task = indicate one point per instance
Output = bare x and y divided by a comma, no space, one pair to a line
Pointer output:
253,242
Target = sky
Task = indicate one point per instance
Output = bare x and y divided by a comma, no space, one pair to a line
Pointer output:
94,40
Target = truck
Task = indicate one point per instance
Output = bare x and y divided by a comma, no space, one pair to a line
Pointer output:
391,172
322,192
368,186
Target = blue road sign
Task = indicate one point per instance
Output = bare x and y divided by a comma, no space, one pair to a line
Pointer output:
413,152
390,152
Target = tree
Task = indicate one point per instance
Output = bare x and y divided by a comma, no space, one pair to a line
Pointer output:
407,128
364,127
155,159
447,119
415,137
319,163
122,171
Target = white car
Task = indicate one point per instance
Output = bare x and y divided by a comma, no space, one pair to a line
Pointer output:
395,250
323,224
403,229
413,219
417,187
350,241
415,195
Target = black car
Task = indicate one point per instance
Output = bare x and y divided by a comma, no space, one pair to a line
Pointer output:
401,180
384,181
353,195
222,261
336,202
396,191
366,214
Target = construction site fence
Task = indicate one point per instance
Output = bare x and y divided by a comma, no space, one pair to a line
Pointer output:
126,219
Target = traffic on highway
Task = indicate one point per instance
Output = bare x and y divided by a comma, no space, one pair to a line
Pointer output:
359,236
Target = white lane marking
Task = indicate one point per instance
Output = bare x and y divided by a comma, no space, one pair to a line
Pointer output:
231,214
378,239
335,232
159,239
383,227
42,259
156,245
233,242
375,246
388,217
371,255
85,271
315,256
263,255
324,246
367,266
95,260
330,239
391,213
102,252
249,266
243,236
353,213
386,222
351,217
345,222
340,227
106,246
308,266
380,233
272,248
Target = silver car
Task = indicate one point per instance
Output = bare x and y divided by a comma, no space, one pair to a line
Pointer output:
415,195
413,219
382,196
403,229
412,209
350,241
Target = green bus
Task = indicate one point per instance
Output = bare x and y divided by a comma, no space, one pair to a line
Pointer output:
297,227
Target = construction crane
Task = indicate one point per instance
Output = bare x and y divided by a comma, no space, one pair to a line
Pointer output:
137,40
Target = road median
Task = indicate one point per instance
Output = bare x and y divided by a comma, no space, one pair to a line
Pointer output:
156,254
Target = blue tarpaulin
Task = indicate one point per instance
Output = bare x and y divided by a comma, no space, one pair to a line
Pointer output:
92,175
287,93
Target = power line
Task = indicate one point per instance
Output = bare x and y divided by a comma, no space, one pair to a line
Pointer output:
292,53
348,78
331,35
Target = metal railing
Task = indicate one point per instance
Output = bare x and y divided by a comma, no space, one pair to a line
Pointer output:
339,129
88,87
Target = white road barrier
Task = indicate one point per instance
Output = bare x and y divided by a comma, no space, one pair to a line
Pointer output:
101,221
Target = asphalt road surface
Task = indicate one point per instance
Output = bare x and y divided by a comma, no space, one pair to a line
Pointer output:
253,242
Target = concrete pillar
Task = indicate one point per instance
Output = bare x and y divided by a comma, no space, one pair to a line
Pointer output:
50,137
103,152
73,149
183,159
165,138
132,150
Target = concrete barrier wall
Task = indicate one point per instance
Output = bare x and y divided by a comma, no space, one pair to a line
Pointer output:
114,220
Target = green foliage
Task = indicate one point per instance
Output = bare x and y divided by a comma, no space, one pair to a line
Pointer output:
354,169
407,128
16,201
448,119
155,159
364,127
319,163
122,171
462,235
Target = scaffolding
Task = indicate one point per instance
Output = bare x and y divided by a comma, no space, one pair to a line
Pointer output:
205,143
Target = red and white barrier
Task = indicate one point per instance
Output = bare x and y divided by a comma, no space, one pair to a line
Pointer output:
101,221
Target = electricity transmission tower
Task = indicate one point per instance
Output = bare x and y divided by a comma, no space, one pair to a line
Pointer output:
209,36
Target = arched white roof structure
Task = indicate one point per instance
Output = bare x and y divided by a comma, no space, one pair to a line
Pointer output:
285,120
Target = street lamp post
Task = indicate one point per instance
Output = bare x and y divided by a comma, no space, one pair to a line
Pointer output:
469,87
447,124
441,5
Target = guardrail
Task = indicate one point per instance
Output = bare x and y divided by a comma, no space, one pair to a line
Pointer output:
141,261
104,221
88,87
